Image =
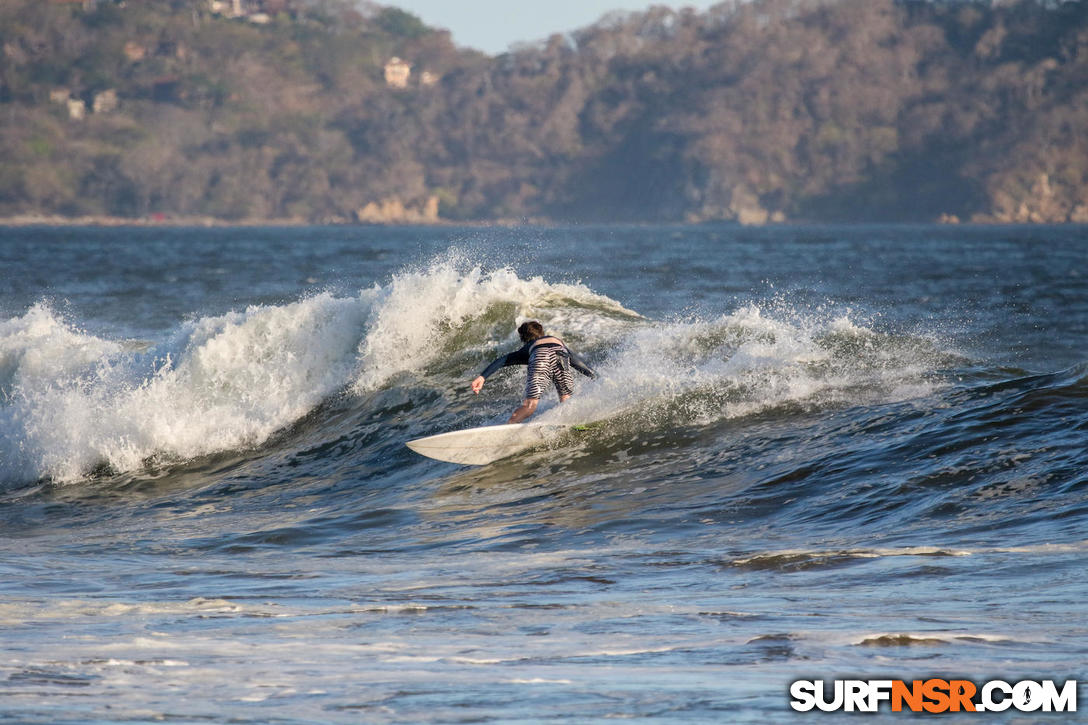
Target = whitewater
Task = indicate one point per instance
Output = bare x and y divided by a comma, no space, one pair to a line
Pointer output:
817,452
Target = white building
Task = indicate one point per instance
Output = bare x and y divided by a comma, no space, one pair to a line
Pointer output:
397,73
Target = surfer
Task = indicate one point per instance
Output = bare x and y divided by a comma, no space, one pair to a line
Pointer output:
549,361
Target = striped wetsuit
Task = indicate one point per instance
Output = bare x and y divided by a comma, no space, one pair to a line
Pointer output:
549,361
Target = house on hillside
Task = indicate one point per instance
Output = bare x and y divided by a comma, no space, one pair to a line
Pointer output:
223,7
256,11
105,102
77,109
229,8
397,73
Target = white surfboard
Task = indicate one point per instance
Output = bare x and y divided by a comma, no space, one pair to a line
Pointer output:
480,446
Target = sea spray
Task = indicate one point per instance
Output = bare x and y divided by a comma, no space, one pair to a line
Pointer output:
421,311
698,371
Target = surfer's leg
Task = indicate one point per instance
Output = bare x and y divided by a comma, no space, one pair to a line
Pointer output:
528,407
535,383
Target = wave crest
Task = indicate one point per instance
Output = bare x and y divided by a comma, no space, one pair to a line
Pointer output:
425,314
74,402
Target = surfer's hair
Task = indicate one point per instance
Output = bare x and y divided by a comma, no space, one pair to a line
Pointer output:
530,330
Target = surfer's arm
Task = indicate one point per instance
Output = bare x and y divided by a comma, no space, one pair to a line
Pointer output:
496,364
518,357
580,365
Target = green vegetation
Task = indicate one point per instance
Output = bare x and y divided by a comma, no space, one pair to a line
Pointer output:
857,110
399,23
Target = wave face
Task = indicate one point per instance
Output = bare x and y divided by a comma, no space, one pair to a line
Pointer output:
813,452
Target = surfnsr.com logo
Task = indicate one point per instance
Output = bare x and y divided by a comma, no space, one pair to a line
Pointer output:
934,696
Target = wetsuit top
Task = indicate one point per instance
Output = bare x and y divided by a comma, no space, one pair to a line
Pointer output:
521,357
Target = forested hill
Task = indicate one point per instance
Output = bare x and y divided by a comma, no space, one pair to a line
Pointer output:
771,110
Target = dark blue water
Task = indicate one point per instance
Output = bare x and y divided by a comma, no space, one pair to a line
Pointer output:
820,452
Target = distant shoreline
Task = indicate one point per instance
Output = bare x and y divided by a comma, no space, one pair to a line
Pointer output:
46,220
56,221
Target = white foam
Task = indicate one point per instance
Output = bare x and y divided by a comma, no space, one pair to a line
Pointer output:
815,555
72,401
38,349
14,612
746,362
926,638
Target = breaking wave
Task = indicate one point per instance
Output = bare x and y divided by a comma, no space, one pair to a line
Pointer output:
72,403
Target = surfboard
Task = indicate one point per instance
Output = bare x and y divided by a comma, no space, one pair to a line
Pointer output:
480,446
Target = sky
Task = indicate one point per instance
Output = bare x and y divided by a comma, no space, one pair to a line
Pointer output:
493,25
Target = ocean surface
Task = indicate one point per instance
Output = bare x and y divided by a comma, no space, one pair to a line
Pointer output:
822,452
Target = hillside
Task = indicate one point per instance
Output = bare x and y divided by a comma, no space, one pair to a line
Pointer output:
775,110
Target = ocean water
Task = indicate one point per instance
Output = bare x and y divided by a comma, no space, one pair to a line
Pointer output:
822,452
